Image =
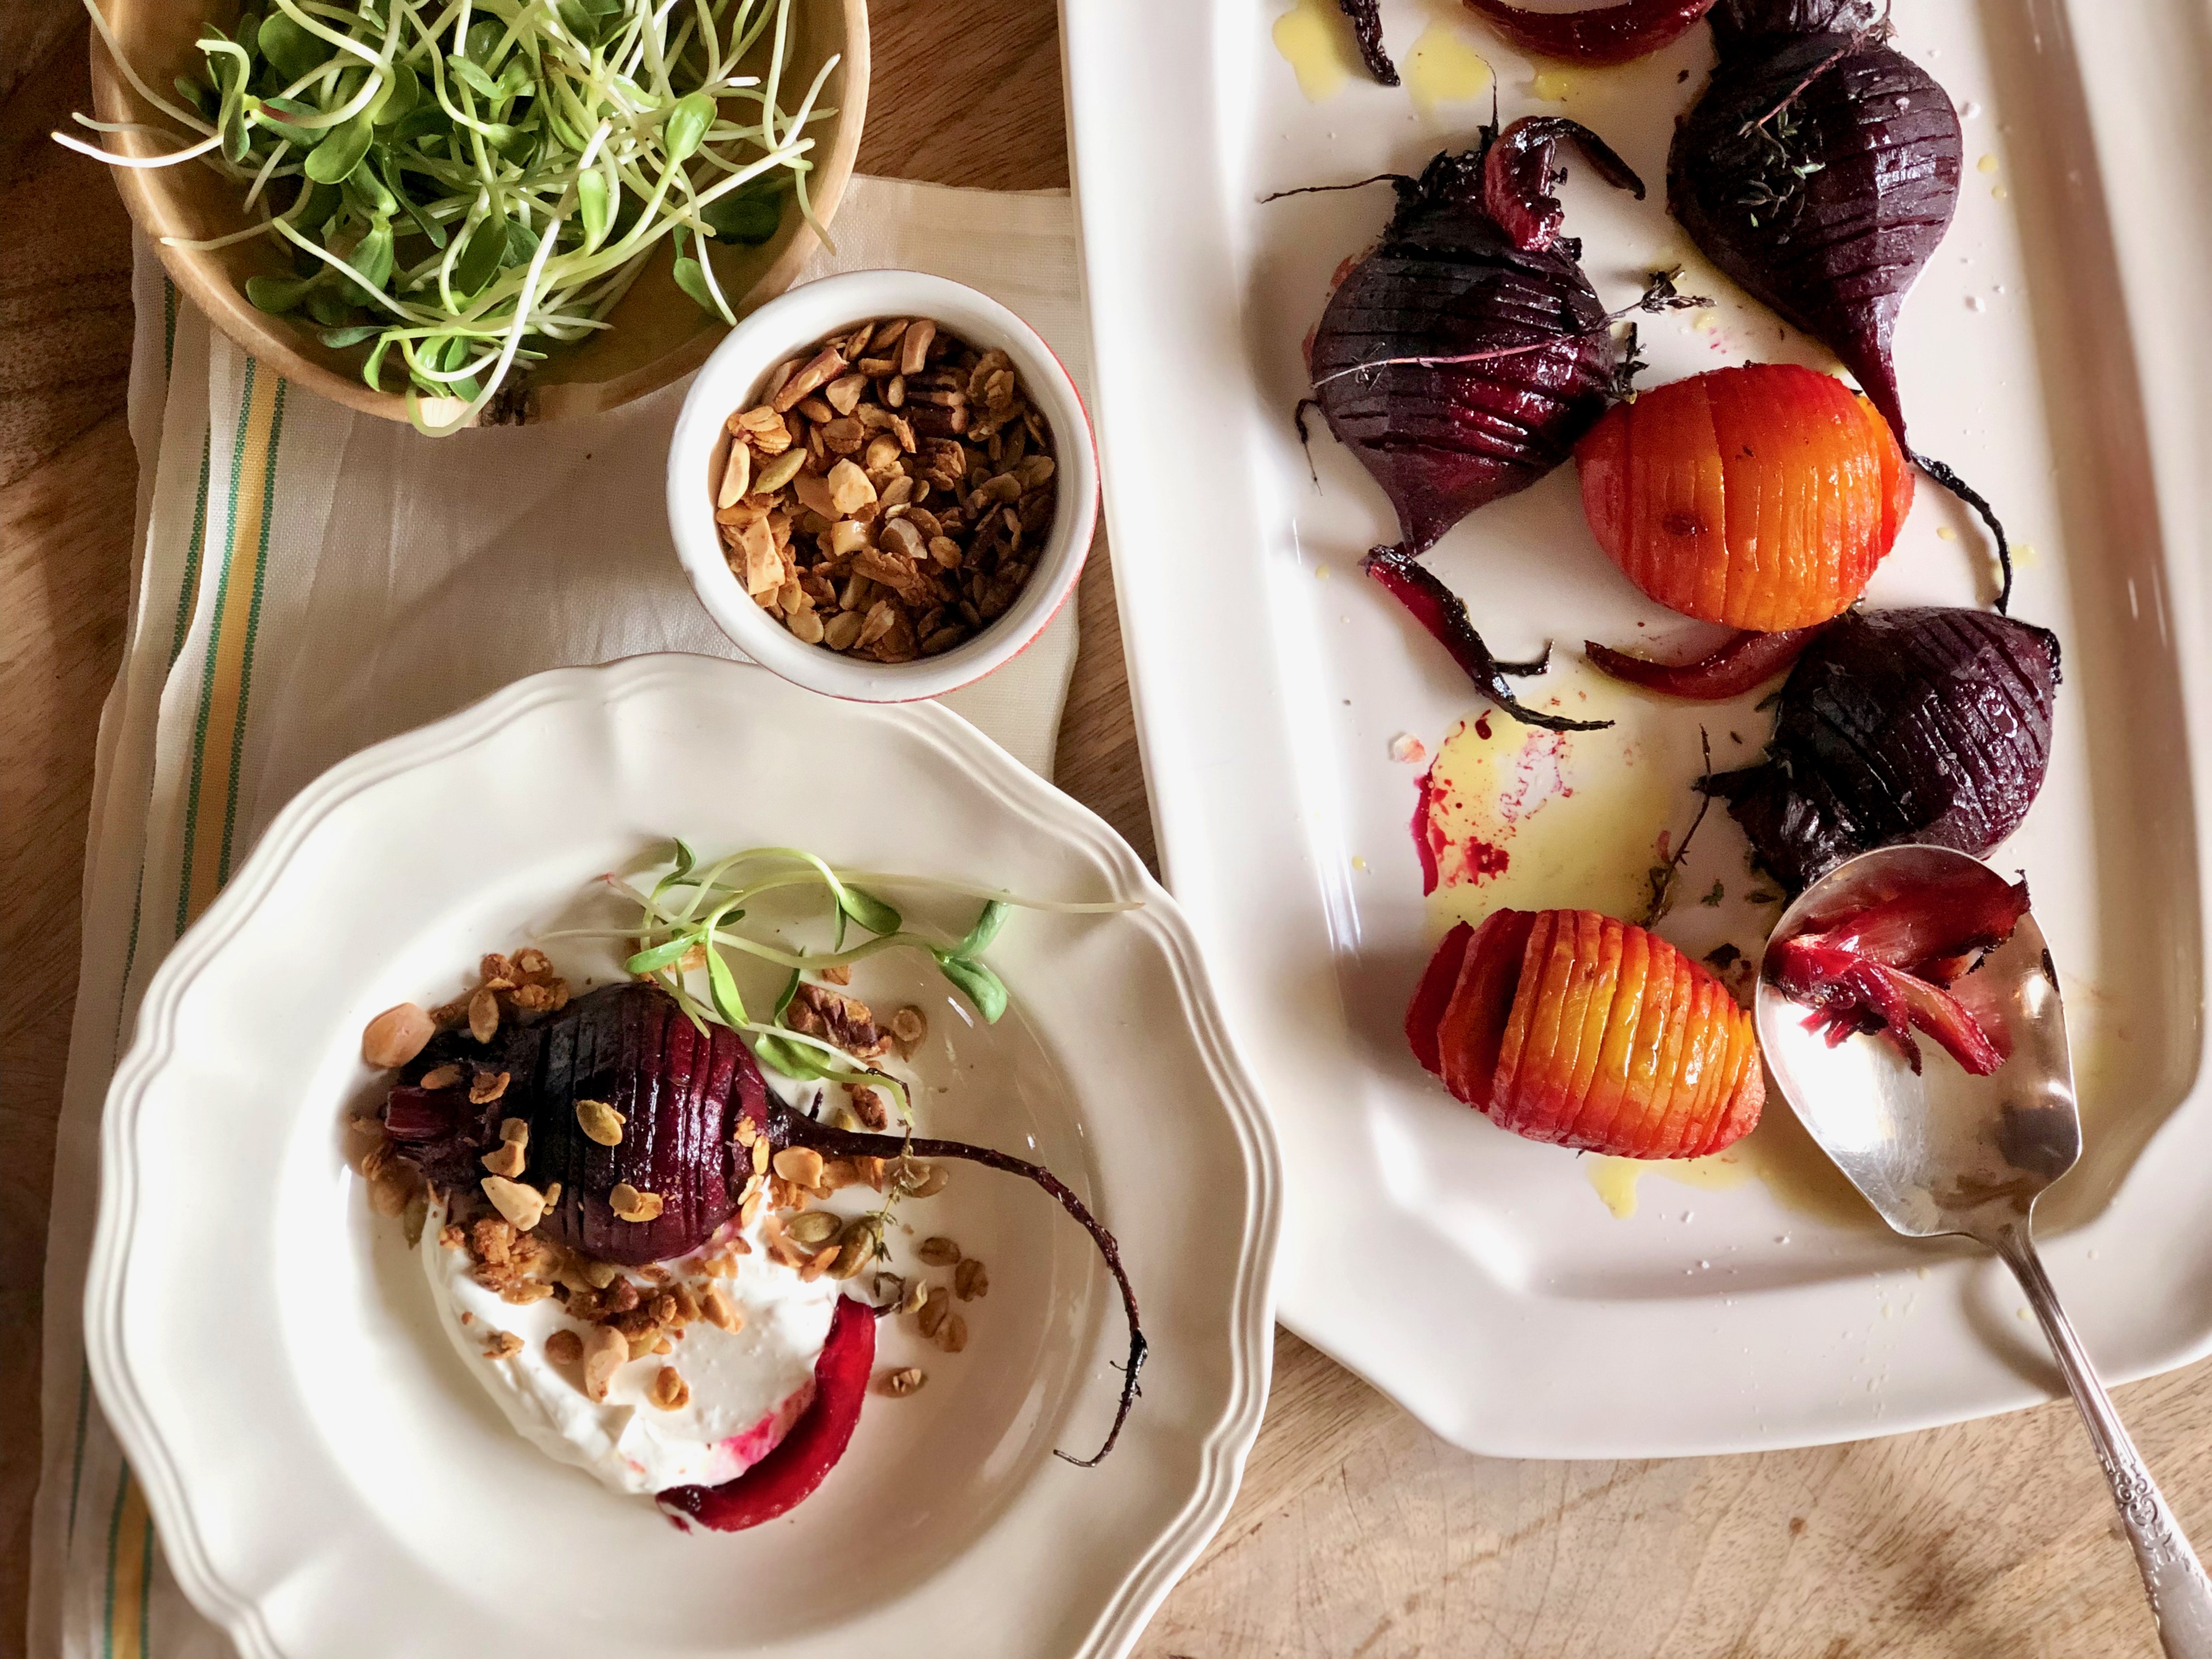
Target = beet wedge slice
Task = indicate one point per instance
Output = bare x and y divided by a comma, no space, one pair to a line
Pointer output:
802,1460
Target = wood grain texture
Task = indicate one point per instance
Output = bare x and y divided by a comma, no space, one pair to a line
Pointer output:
1356,1534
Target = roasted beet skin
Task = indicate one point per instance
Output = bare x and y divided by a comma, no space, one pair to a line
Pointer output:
1749,658
802,1460
1919,725
1820,169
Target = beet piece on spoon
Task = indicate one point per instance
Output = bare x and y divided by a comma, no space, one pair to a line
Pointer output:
802,1460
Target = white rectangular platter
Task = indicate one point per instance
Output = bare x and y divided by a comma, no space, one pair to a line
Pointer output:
2049,352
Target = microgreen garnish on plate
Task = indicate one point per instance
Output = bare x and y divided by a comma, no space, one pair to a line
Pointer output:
690,919
455,180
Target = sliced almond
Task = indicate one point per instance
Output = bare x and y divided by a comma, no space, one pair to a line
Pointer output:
396,1036
903,1381
737,476
484,1015
717,1310
800,1165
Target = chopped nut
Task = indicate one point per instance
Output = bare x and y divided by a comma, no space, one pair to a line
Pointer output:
396,1036
524,1207
843,393
507,1159
487,1087
745,1133
630,1204
600,1122
484,1015
914,349
759,1156
671,1392
971,1280
606,1351
504,1345
850,488
717,1310
737,476
823,1260
388,1194
842,630
822,367
800,1165
909,1025
450,1237
903,1381
440,1077
953,1334
917,1293
870,1170
516,1130
564,1347
938,1252
930,1317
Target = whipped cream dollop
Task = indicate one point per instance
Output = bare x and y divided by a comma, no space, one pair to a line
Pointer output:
747,1387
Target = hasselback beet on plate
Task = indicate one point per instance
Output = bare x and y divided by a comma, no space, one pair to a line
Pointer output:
1760,497
1919,725
1463,354
1571,1027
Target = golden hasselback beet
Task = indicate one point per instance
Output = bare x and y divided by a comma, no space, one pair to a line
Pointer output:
1760,497
1572,1027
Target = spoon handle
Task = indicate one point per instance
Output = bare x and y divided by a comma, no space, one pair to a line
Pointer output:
2180,1595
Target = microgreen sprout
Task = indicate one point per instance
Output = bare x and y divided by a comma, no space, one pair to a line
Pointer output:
463,183
689,922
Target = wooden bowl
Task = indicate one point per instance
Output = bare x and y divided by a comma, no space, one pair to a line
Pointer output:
658,333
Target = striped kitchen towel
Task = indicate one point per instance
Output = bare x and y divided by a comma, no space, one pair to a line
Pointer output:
307,581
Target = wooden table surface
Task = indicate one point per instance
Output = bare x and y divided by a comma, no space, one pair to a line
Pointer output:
1356,1533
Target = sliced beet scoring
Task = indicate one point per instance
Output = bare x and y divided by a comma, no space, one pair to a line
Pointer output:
1926,724
802,1460
1433,995
1595,34
1472,1030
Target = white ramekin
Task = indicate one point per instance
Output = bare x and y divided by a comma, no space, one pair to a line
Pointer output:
730,380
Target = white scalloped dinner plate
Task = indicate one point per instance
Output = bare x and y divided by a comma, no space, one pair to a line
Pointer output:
328,1480
2039,354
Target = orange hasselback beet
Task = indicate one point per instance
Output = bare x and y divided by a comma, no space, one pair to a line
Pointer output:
1571,1027
1761,497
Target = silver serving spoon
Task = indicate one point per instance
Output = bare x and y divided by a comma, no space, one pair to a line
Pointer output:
1945,1151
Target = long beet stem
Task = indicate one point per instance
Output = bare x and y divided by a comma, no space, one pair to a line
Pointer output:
796,1129
1444,616
1974,498
1357,184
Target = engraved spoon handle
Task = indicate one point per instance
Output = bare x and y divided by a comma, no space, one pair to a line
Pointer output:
2180,1595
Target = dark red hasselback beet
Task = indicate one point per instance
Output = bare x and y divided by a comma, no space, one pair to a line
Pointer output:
1446,281
1820,169
1922,725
